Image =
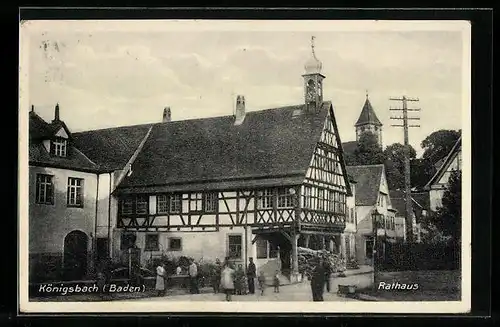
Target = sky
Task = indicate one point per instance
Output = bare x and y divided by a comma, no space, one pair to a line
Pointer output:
124,76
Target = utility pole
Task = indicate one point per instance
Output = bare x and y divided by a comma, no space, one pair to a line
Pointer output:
406,126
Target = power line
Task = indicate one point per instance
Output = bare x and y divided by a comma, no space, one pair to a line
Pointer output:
406,126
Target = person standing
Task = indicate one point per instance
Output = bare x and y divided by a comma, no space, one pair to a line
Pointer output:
328,273
160,280
193,278
262,282
318,281
276,281
227,280
216,275
251,274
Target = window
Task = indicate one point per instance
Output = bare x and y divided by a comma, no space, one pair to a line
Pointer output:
321,199
234,246
127,206
44,189
127,241
266,199
152,242
261,249
175,203
174,244
285,199
307,197
162,203
369,248
58,147
210,203
138,204
75,192
196,202
352,216
142,204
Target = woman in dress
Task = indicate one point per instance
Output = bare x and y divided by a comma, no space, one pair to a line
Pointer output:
160,280
227,280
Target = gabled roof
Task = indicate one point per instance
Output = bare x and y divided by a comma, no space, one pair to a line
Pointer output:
368,178
447,162
270,147
368,115
40,130
111,148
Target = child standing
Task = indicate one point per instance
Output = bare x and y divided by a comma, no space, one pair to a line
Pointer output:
262,282
276,282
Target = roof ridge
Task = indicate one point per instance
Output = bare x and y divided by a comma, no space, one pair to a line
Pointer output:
110,128
372,165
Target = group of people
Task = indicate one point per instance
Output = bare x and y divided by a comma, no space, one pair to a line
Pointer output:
234,281
231,281
161,275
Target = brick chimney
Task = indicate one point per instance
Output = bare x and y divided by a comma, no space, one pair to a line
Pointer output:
240,110
167,115
56,114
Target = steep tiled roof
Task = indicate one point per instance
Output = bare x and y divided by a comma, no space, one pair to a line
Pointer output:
271,146
446,163
368,180
368,115
111,148
39,130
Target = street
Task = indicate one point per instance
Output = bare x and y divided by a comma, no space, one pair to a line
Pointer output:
295,292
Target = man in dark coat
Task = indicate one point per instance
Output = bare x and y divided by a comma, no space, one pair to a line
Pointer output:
318,281
251,273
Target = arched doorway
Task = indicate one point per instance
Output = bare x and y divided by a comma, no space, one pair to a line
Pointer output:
75,255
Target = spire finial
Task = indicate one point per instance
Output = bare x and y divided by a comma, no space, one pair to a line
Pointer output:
366,94
312,45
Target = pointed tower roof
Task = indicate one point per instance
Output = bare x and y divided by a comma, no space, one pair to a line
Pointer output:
367,115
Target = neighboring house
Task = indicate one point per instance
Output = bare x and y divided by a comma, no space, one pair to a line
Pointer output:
372,193
348,238
419,210
257,184
439,182
70,208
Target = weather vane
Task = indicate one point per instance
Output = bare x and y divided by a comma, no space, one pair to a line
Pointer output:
312,44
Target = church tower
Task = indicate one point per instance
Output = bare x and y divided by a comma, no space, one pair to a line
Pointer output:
368,122
313,82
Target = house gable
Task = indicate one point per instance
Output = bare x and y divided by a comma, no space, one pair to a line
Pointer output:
62,133
327,164
451,162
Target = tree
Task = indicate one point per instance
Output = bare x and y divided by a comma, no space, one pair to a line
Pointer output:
448,218
394,156
367,152
422,171
437,145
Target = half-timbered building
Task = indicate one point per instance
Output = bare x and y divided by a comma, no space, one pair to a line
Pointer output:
255,184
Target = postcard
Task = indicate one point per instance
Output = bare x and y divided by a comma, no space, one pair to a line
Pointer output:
244,166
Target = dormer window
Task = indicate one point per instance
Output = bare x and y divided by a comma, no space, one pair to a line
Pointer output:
58,147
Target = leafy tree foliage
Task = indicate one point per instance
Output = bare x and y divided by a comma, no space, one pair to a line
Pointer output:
367,152
448,218
437,145
394,156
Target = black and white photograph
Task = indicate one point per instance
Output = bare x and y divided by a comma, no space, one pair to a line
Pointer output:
244,166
